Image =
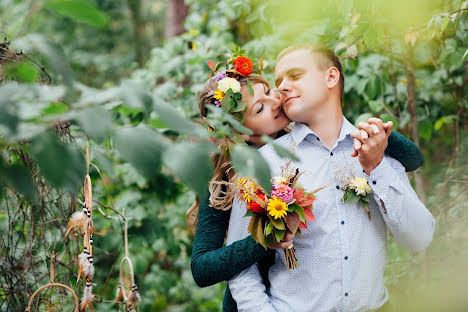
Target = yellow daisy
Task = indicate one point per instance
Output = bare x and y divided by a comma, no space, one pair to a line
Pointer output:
219,95
277,208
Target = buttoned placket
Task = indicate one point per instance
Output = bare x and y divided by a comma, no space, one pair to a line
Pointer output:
337,155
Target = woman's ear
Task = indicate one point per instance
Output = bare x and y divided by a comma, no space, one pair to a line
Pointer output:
333,77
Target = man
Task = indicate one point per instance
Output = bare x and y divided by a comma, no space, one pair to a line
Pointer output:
342,255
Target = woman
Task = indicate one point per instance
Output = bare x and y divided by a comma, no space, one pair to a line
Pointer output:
213,263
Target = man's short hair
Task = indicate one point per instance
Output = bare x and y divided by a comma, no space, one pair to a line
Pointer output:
326,58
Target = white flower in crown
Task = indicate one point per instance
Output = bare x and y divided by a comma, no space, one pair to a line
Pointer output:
229,83
360,186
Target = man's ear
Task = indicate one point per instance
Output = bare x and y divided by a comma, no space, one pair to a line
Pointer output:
333,77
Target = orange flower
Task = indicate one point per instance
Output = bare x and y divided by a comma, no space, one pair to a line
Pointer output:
243,65
254,206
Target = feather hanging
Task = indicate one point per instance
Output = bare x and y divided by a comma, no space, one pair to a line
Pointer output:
89,269
88,297
82,264
76,222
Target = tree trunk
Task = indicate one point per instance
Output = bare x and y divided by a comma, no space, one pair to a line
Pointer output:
176,13
413,110
135,9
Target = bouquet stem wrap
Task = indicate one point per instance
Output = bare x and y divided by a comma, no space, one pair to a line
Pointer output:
291,259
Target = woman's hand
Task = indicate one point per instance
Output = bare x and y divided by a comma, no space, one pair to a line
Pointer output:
284,243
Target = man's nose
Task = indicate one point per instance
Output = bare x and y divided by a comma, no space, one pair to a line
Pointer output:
284,87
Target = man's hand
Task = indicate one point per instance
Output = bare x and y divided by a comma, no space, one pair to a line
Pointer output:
370,142
284,243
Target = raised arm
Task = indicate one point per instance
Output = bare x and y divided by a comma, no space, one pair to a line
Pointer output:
211,262
405,151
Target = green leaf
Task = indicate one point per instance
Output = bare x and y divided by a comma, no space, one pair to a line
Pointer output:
253,226
80,11
280,151
351,197
142,147
95,121
19,178
376,106
277,223
387,117
270,239
176,121
268,228
251,91
61,164
55,108
157,123
279,234
363,117
191,163
249,163
300,212
21,71
425,129
249,213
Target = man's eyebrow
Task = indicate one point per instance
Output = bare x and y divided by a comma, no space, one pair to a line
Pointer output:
288,73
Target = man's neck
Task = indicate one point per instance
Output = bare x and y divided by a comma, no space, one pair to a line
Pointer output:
326,124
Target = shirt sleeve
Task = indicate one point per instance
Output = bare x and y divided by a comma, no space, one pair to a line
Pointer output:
409,221
247,287
211,262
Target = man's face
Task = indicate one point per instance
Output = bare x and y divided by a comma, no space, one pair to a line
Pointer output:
302,85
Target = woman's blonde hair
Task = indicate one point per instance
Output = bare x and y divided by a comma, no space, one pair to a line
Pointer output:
221,187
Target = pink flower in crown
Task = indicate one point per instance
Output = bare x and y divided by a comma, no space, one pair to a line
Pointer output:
283,192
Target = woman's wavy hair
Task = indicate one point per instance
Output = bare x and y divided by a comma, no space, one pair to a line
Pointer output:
222,185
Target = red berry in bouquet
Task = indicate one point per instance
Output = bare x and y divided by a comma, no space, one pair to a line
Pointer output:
243,65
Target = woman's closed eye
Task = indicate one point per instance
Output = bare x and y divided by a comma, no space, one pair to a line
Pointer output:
260,109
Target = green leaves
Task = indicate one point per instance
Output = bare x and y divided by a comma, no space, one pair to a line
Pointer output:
177,121
22,72
95,121
19,178
142,147
350,197
191,163
80,11
63,165
249,163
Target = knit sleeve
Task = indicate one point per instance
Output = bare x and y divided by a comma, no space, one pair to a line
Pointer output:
211,262
405,151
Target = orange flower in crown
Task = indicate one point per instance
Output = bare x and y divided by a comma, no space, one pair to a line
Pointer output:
243,65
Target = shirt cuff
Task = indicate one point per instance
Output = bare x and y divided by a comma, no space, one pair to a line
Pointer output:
380,180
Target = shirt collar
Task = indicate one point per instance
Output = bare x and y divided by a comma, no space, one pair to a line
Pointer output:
300,131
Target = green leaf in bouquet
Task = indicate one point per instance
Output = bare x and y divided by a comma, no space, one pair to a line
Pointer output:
300,211
365,199
350,197
249,213
277,223
253,225
270,239
260,235
279,234
292,220
268,228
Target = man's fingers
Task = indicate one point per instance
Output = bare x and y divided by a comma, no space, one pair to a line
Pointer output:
354,153
364,135
367,127
375,129
377,122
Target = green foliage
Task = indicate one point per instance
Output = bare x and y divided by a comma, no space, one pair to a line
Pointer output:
79,10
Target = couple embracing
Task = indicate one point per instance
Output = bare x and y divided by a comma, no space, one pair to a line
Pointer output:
342,255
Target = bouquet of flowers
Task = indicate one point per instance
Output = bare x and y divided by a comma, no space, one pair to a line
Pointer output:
287,207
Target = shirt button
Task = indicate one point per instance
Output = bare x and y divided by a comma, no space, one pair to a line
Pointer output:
342,222
346,294
318,139
337,187
331,153
346,258
374,182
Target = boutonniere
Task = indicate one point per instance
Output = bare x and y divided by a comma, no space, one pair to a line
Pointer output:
357,189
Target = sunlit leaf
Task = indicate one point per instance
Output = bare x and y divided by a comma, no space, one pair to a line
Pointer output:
95,121
80,11
249,163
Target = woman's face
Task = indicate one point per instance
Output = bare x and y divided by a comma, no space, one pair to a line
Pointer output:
265,115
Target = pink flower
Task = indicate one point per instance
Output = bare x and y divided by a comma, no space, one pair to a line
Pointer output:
283,192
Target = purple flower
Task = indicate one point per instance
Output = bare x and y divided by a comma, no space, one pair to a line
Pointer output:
217,103
283,192
221,75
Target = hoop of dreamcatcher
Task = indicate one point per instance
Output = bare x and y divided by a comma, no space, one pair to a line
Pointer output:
52,284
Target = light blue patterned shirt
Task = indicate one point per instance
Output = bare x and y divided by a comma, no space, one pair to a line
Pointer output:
342,255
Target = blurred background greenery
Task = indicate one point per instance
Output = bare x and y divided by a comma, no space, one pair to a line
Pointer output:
123,75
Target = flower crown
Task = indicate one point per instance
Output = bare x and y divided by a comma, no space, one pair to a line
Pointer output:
228,74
